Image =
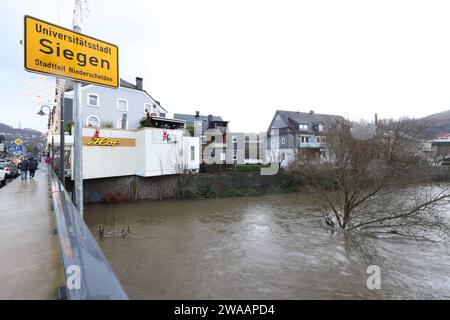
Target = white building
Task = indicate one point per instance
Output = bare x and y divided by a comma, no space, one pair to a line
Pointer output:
115,143
143,152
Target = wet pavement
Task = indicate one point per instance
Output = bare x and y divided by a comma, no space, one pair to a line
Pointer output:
30,265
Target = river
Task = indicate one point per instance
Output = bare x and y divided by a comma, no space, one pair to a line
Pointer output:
257,248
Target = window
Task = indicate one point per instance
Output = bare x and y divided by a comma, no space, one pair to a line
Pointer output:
122,105
234,139
147,108
119,124
303,127
283,140
235,156
318,139
162,114
93,100
93,121
192,153
283,156
320,127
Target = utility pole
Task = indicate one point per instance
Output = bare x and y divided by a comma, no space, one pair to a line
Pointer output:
62,166
78,147
78,132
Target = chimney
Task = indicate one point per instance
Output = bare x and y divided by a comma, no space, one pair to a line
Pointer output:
139,83
197,114
210,118
311,112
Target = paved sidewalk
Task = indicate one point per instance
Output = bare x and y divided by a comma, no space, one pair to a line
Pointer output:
30,266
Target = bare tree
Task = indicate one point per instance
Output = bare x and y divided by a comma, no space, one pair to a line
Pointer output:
376,180
180,165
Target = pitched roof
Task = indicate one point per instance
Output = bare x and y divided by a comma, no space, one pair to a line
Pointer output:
294,118
123,83
127,84
191,118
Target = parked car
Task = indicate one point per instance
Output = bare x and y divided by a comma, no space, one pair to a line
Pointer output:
11,170
2,175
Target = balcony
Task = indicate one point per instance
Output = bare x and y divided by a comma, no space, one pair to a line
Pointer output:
311,145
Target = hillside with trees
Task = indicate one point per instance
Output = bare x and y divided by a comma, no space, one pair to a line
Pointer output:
437,123
33,139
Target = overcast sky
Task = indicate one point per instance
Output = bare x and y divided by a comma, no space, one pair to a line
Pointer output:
243,59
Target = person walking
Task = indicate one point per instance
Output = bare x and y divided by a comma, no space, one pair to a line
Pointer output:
23,166
32,167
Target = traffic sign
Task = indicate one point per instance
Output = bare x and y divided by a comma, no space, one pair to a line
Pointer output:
54,50
18,141
13,148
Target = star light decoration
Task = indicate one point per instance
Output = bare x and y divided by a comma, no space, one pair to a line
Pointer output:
39,89
80,11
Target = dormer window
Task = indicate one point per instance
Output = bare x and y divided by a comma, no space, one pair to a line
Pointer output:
93,100
303,127
320,127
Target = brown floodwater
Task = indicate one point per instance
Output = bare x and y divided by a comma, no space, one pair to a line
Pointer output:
257,248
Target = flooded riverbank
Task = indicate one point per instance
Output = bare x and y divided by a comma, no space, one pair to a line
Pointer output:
257,248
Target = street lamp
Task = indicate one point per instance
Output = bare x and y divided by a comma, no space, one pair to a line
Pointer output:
42,113
62,168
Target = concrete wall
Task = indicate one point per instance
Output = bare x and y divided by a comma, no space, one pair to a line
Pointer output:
131,188
101,161
157,157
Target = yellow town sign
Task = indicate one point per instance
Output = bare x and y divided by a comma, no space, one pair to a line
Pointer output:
57,51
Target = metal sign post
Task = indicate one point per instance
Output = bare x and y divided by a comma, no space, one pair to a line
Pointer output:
62,147
57,51
78,147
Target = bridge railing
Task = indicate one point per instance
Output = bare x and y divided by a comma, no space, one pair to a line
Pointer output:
87,272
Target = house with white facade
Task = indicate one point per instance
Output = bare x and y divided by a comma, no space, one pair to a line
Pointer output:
120,108
127,132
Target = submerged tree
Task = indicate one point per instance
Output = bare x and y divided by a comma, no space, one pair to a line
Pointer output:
376,180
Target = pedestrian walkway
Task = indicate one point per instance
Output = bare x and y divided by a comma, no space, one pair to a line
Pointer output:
30,266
